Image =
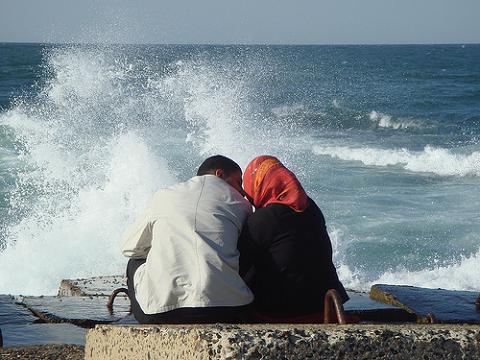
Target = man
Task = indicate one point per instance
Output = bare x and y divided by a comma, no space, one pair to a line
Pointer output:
183,250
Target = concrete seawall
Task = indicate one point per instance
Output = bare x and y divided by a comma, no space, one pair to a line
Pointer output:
284,341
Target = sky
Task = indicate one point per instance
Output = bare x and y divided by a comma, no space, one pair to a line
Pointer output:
241,21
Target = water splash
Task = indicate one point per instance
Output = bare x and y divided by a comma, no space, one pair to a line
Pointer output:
387,121
460,275
438,161
108,127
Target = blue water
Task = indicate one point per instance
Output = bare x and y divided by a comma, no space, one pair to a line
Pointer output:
20,327
384,138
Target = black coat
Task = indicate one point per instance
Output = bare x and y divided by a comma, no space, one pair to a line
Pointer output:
286,259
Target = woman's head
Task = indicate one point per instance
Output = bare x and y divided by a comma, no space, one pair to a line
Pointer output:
267,181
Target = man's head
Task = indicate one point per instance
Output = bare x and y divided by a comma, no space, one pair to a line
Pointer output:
224,168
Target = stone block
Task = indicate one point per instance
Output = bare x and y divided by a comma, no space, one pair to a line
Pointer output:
283,341
95,286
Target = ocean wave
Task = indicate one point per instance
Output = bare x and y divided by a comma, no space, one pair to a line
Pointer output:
387,121
351,279
438,161
288,110
459,275
104,131
462,275
72,225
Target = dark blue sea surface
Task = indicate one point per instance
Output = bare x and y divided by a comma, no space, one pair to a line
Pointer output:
19,327
384,138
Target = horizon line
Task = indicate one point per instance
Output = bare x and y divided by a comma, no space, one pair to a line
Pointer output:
234,44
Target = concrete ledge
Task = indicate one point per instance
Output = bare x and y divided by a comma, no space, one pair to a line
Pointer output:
95,286
284,341
84,311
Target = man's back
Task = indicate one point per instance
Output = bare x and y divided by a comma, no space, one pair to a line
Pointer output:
189,238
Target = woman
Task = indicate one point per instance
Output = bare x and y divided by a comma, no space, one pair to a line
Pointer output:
285,251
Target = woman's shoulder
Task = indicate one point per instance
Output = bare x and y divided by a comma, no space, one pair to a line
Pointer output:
262,212
315,210
262,226
263,217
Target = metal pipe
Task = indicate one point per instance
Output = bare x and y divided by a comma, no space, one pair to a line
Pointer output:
113,296
431,319
333,308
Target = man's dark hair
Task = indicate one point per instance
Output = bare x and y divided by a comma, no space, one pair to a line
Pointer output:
213,163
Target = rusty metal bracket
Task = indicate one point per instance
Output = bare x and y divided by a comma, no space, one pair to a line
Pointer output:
1,339
431,319
477,304
114,295
333,308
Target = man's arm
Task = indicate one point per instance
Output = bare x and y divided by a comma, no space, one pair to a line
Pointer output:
137,239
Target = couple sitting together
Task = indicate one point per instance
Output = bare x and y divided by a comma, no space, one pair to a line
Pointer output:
199,255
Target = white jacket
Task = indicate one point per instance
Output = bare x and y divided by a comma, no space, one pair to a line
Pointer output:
188,234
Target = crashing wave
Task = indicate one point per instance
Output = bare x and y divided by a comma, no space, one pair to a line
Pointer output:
105,130
387,121
462,275
438,161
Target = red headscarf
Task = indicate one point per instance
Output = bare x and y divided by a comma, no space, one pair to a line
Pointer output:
266,181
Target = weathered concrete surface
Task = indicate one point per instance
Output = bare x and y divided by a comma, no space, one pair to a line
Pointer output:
439,305
20,327
283,342
372,311
85,311
360,304
95,286
12,313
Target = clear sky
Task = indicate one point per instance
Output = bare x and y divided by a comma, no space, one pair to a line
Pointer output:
241,21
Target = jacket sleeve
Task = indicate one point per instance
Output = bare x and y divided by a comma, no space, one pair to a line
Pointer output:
137,239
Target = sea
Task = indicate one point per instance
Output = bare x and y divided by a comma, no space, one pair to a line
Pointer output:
385,139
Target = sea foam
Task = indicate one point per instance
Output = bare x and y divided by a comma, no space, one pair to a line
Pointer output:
106,128
460,275
101,135
387,121
439,161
